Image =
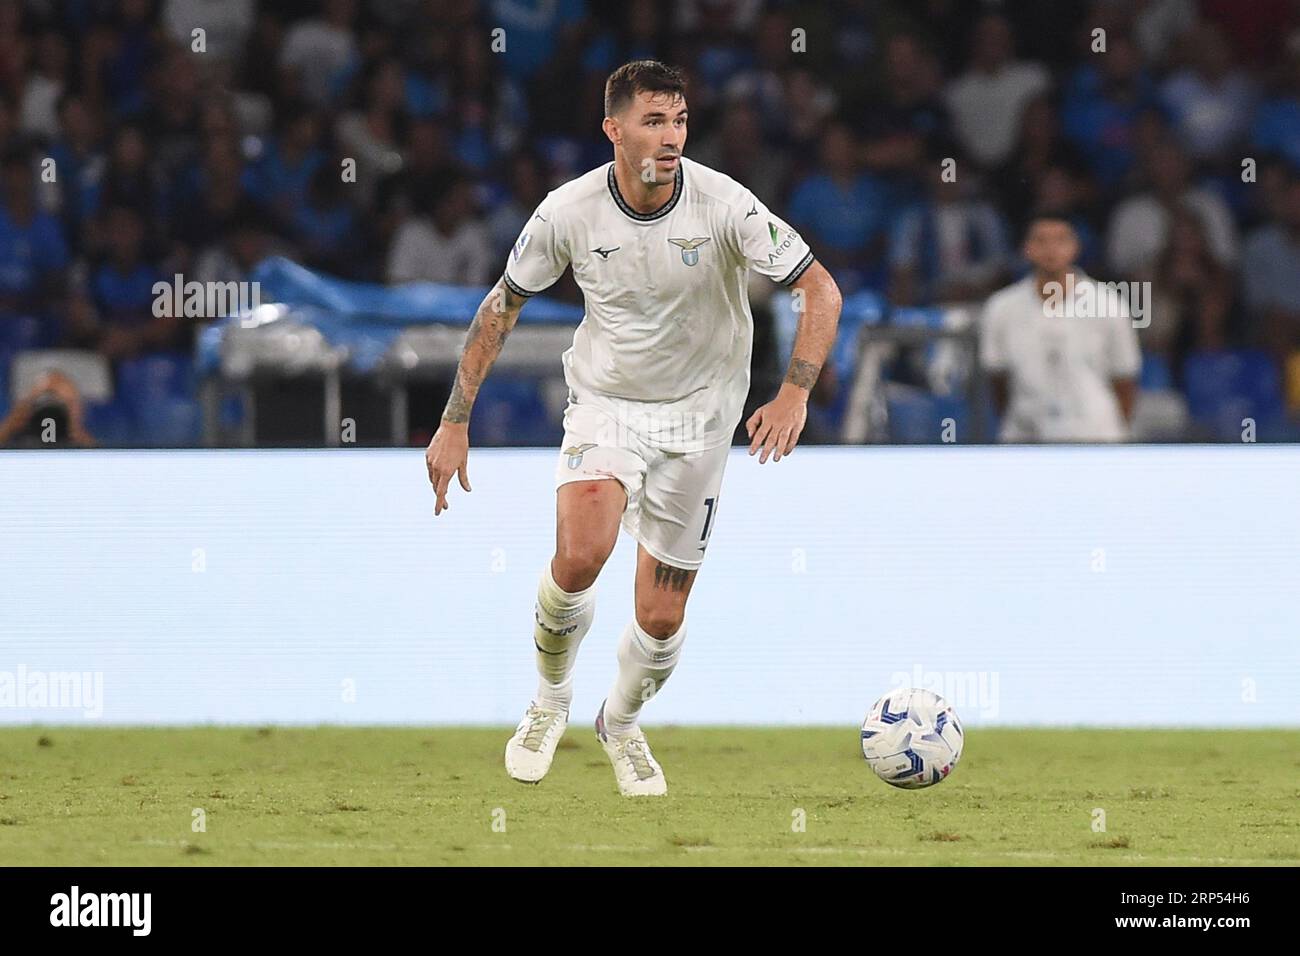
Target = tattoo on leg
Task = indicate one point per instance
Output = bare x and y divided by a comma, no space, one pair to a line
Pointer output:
668,578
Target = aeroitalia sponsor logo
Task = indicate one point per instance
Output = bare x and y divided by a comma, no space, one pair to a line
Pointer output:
782,247
74,908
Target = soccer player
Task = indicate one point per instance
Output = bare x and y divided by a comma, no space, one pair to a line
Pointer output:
1060,348
658,375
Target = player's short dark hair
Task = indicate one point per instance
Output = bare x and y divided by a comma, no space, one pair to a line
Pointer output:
641,76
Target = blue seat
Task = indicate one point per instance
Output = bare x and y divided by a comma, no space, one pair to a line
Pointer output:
21,332
1156,374
929,317
170,422
112,423
1223,388
5,359
509,410
913,416
232,412
147,379
917,417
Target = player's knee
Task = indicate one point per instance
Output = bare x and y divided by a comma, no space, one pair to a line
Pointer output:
577,565
660,623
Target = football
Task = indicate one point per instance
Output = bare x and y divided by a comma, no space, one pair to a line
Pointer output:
912,738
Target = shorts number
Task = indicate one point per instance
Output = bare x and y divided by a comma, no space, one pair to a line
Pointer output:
708,518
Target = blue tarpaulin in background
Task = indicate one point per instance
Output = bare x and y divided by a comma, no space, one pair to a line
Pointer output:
363,317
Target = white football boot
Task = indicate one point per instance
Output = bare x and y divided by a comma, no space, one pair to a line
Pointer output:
530,751
635,768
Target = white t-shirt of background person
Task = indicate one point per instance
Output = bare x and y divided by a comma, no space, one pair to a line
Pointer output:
1060,367
420,253
665,341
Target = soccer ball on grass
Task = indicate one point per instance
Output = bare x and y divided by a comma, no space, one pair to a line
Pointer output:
912,738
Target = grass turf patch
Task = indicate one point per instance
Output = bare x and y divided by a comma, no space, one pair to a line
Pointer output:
774,796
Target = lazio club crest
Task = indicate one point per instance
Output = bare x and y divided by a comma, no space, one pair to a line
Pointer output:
690,249
575,453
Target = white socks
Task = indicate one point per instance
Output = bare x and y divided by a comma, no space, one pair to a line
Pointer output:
644,663
560,621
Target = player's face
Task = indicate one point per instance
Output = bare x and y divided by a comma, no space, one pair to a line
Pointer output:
653,133
1051,246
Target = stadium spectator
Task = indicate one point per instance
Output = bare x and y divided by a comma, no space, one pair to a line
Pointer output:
33,254
50,415
1064,193
324,224
537,35
904,120
810,104
78,158
986,101
211,195
38,113
117,56
244,243
320,52
843,211
1271,273
738,149
1158,25
1101,107
450,245
1058,376
114,313
526,192
1276,127
372,135
1210,101
1140,224
1192,296
173,118
128,179
950,247
1039,147
284,172
426,162
761,83
226,24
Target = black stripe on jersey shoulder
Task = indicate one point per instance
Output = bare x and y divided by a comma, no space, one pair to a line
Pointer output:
800,269
659,213
515,287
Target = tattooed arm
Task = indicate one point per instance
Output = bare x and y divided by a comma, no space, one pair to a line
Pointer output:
448,453
776,426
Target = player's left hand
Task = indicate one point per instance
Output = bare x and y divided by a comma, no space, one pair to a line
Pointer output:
776,426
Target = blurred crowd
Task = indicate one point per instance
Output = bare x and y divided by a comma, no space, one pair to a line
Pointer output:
146,138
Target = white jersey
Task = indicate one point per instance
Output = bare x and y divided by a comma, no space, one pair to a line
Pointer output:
1060,367
665,342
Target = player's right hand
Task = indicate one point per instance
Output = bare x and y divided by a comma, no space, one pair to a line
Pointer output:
447,455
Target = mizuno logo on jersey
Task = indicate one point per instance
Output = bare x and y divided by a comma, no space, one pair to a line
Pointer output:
604,253
753,211
690,248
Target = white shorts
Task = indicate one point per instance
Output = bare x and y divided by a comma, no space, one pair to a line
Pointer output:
672,497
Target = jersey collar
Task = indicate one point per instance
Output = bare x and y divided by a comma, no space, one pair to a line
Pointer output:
659,213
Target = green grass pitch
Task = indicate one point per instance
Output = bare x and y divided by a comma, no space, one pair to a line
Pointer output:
388,796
